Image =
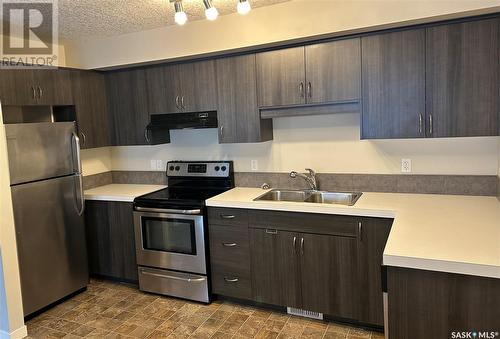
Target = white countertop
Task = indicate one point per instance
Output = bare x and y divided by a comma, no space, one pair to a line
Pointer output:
447,233
120,192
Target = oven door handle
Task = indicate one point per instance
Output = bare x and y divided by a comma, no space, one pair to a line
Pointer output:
173,277
160,210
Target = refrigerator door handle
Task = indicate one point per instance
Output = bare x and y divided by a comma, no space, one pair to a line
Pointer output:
78,173
81,197
76,154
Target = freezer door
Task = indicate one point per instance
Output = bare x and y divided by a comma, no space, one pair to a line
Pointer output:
41,151
51,242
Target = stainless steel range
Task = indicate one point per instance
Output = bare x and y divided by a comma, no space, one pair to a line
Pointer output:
170,229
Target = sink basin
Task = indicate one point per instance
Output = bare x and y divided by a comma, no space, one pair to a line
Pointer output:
285,195
318,197
340,198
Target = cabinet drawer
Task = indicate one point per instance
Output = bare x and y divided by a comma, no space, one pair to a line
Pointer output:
231,285
227,216
229,248
305,222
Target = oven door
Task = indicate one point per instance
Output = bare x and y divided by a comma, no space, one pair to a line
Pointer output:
172,240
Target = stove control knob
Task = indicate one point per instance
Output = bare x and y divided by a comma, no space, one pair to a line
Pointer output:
171,168
216,168
223,168
177,168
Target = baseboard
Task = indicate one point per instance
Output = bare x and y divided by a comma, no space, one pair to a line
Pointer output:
21,332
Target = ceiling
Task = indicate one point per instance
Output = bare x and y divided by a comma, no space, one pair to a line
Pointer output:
83,18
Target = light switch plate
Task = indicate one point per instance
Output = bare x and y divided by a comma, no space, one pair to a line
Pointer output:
405,165
255,165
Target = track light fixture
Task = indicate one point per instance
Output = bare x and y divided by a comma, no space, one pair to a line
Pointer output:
180,16
210,12
243,7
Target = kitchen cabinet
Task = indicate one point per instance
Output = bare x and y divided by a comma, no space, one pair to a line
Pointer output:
315,74
188,87
372,237
238,114
462,88
427,304
393,86
110,240
128,107
35,87
89,94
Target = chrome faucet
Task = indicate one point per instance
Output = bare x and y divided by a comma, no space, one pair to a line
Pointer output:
309,178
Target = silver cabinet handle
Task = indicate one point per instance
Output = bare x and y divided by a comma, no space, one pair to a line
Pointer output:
222,131
33,92
182,102
177,102
146,135
227,216
40,92
165,276
420,123
360,231
309,89
271,231
231,280
301,89
431,127
294,245
84,138
229,244
302,245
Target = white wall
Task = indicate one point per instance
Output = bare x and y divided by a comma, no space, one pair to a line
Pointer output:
285,21
327,143
10,284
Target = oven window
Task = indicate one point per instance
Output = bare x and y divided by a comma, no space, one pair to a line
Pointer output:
169,235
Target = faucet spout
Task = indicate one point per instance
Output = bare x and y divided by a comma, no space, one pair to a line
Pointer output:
310,178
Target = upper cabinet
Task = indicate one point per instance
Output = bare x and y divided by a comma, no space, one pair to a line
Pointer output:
393,67
238,114
35,87
462,87
128,107
188,87
89,93
316,74
441,81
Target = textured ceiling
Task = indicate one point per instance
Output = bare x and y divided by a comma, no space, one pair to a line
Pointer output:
82,18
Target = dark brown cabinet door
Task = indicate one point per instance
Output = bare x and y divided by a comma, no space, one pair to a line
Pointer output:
274,267
281,77
237,113
333,71
393,85
329,274
89,94
463,79
371,243
128,107
53,86
198,91
163,89
110,239
16,87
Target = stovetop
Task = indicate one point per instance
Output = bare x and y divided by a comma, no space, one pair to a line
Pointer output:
190,184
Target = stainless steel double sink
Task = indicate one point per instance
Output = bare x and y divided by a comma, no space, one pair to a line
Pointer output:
319,197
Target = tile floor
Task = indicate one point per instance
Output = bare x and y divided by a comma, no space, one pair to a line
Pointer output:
110,310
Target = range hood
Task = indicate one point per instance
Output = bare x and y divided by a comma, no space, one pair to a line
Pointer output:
183,121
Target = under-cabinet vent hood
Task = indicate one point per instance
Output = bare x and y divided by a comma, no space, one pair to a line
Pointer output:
183,121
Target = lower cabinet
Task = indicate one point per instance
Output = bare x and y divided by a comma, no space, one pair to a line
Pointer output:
110,240
322,263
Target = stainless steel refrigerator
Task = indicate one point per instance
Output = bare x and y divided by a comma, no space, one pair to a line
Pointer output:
47,196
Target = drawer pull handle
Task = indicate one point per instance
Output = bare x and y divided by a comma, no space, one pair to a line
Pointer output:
271,231
231,280
224,216
229,244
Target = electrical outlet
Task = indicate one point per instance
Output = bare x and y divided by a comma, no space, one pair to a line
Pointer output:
405,165
153,165
255,165
159,165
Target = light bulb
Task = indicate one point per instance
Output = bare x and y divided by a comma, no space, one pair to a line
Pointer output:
243,7
211,13
180,18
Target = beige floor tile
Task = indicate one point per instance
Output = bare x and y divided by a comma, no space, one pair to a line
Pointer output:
336,328
274,325
266,334
335,335
83,330
233,323
313,333
358,333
